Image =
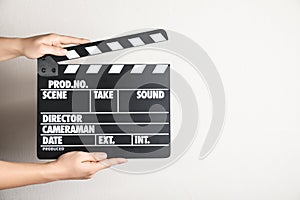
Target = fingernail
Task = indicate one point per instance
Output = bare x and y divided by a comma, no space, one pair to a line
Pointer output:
64,51
100,155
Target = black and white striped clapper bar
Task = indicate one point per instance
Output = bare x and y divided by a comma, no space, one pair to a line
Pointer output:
120,109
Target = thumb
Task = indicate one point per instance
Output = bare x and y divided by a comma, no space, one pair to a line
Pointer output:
54,50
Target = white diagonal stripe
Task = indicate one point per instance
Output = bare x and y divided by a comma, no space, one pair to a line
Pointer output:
114,46
115,69
160,69
158,37
72,54
138,69
93,69
93,50
71,69
136,41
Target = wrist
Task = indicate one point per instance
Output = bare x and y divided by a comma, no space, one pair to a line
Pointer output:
17,45
51,172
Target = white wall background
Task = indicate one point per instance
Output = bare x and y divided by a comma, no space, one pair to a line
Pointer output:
255,45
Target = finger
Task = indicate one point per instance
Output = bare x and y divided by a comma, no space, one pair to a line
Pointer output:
109,162
98,156
63,39
56,44
53,50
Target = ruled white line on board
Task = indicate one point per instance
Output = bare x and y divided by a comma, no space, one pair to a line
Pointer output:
107,123
118,106
90,103
85,89
96,134
45,113
112,145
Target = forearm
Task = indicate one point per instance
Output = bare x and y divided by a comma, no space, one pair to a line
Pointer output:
10,48
72,165
21,174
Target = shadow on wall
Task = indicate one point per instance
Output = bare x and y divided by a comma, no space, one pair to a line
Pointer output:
18,110
18,130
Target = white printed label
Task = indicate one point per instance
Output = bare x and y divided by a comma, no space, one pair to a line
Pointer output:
62,118
141,139
55,95
67,84
103,94
68,129
150,94
52,140
102,139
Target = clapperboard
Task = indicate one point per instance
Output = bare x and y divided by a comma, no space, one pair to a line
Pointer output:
120,109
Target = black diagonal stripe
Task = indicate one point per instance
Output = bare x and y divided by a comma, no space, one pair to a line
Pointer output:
81,51
103,47
124,42
146,38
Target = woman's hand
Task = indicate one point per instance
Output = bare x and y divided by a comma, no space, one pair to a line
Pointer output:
36,46
72,165
80,165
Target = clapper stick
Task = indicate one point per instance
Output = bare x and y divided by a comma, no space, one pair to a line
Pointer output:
48,64
120,109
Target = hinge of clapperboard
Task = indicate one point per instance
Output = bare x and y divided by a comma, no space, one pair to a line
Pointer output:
48,64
